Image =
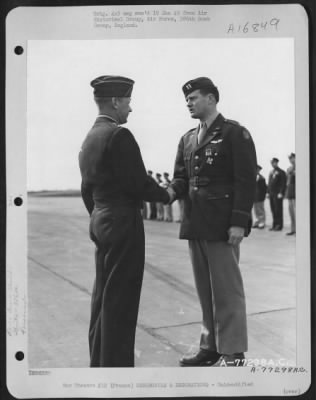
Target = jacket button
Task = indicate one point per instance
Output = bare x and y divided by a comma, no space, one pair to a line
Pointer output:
196,167
195,188
196,157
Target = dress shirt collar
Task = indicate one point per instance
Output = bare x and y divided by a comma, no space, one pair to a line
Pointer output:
108,117
209,120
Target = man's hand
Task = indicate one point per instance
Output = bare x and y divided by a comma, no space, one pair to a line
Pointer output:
172,194
236,235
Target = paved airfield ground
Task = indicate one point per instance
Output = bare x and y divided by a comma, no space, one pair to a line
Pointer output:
61,273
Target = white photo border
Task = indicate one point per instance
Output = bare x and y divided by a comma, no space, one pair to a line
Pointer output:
39,23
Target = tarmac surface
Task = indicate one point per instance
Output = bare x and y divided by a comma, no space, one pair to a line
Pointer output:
61,274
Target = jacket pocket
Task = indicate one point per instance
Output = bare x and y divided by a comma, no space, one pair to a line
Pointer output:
107,228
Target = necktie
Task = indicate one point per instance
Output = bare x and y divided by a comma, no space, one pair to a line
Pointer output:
202,132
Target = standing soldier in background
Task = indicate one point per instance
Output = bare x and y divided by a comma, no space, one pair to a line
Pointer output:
167,207
114,185
260,195
152,204
215,173
159,205
276,190
290,193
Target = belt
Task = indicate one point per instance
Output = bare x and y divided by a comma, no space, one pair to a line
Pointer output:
200,181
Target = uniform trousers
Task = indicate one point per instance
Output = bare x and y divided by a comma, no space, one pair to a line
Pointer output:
220,289
168,212
259,212
160,211
153,210
292,214
145,210
118,234
277,210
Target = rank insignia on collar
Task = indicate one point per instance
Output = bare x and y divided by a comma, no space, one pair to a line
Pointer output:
208,151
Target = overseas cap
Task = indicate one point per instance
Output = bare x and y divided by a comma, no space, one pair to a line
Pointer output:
200,83
275,159
112,86
292,155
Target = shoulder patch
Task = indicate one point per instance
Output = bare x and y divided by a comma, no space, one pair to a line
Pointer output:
189,132
233,122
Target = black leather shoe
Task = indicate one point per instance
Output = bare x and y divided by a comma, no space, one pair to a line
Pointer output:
231,360
203,358
278,228
290,233
272,229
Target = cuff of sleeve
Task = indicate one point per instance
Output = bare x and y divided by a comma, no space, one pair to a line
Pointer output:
240,218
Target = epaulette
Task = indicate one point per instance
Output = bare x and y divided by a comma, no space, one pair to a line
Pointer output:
231,121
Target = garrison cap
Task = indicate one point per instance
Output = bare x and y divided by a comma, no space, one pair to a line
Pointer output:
200,83
275,159
112,86
292,155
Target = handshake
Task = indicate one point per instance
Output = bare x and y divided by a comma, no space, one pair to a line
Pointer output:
154,192
172,194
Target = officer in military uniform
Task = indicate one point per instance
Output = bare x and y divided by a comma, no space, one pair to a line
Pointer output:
215,174
114,185
276,190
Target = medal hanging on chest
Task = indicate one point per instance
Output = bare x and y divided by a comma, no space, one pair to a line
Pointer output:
209,160
208,155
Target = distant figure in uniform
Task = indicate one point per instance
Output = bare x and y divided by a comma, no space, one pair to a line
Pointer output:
276,190
168,207
260,195
159,205
152,204
215,174
290,193
181,207
144,210
114,185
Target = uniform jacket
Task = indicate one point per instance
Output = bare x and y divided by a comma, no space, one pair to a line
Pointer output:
277,182
216,179
112,169
261,189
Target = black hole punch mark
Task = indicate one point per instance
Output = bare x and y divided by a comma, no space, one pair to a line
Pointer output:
18,201
19,355
18,50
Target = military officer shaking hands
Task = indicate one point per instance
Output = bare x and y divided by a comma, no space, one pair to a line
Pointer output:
114,185
215,174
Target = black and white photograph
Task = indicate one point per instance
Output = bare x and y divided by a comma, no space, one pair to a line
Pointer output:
163,158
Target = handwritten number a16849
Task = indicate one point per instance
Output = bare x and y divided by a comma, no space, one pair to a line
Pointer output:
255,27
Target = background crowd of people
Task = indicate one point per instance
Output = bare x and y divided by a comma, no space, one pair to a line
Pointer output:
280,186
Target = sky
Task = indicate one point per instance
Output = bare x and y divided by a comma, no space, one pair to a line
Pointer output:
255,78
